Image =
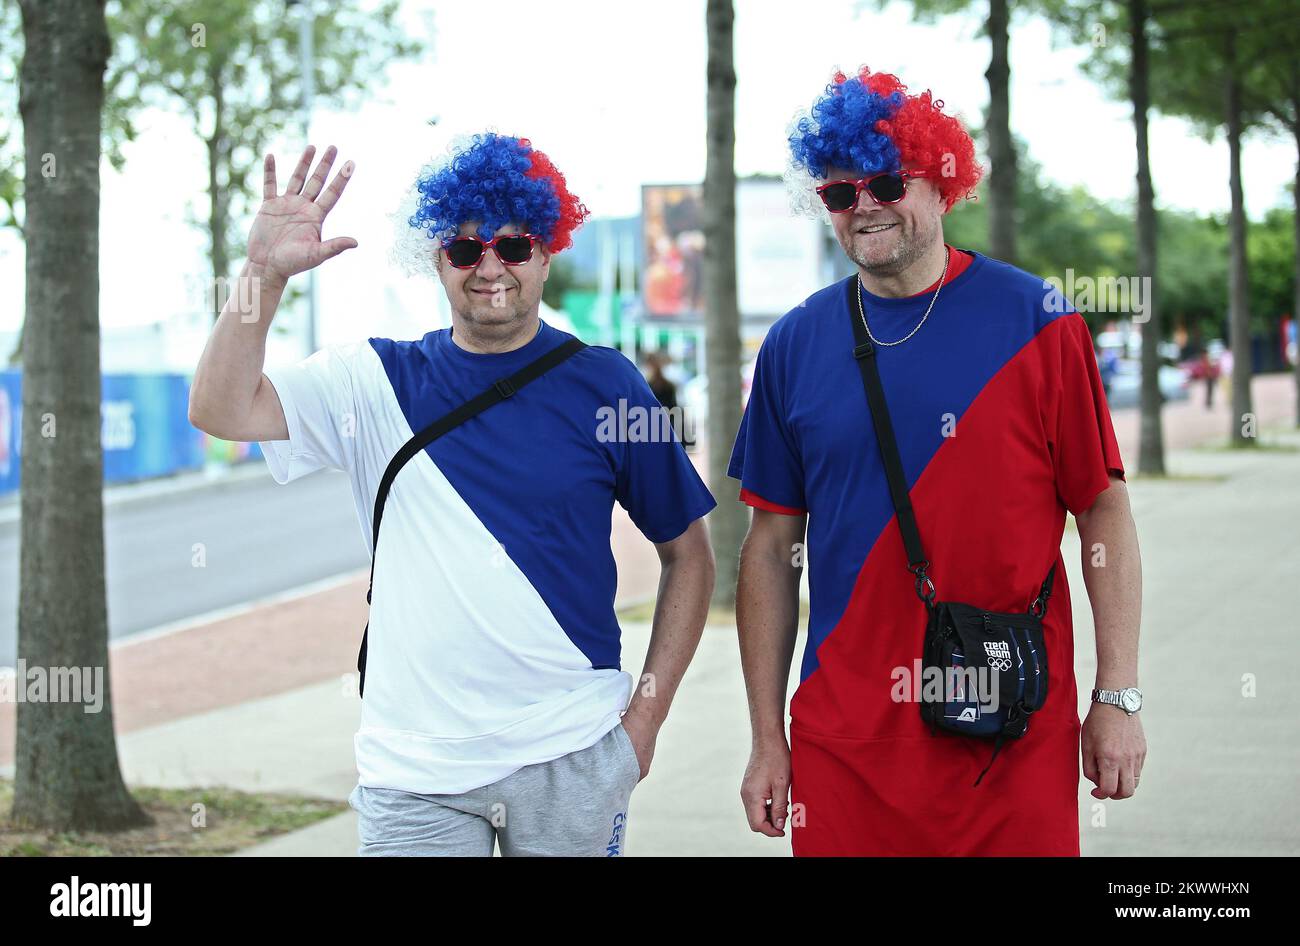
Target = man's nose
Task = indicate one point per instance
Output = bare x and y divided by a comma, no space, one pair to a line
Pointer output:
490,266
866,205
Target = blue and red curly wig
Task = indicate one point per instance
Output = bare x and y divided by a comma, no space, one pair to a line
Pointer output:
868,123
493,179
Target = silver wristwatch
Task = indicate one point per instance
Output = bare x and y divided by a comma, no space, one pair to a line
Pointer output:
1128,699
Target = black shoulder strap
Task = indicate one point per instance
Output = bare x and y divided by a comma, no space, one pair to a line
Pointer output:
499,391
864,352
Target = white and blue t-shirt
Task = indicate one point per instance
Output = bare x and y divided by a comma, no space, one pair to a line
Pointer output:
493,642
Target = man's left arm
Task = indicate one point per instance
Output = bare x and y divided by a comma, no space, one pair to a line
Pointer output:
682,606
1113,745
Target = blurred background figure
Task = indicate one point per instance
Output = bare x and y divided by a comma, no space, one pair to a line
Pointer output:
652,366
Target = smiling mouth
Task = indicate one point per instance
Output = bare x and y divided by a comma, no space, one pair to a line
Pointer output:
877,228
491,291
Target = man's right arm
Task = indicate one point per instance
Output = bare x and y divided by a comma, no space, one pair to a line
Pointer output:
230,397
767,619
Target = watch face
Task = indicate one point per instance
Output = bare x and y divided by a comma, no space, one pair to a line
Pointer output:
1130,700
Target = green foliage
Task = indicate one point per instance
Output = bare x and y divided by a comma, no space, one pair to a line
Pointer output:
233,68
1064,228
1059,228
117,125
1270,247
11,158
1192,50
1192,269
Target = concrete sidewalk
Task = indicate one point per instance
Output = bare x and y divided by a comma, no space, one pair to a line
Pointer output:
1220,557
1219,548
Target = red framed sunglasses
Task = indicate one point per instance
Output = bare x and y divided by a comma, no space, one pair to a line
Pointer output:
513,249
887,187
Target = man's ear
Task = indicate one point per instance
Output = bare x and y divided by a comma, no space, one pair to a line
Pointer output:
546,262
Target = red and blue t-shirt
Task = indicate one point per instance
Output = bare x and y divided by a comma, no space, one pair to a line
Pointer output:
1002,424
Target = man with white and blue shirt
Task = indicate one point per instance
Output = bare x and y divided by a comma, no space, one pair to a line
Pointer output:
495,708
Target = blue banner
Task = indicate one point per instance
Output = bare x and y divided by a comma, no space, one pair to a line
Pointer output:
145,429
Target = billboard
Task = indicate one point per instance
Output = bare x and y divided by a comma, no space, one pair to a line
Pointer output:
672,283
780,258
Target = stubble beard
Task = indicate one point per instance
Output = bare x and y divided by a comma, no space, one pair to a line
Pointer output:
909,247
488,323
497,311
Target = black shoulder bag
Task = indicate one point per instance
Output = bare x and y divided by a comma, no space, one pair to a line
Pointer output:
499,391
983,673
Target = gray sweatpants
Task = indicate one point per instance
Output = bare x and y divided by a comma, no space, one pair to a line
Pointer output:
575,805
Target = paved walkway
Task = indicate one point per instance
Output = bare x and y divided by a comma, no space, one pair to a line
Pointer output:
264,698
1188,422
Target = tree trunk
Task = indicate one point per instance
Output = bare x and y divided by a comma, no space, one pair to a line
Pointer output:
722,336
1151,441
66,769
218,194
1295,220
1238,287
1002,149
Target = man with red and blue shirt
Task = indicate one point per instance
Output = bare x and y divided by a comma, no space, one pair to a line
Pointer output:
496,711
1002,426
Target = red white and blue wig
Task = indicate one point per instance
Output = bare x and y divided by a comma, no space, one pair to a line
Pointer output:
868,124
492,179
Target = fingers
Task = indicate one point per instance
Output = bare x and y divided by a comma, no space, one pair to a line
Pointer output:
331,195
332,248
755,804
756,813
759,812
313,186
300,172
1090,771
1130,771
780,807
1127,782
268,178
1108,783
1113,750
323,166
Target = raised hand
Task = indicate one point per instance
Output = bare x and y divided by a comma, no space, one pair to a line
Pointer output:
286,235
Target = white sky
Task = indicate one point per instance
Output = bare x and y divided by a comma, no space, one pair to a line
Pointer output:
616,97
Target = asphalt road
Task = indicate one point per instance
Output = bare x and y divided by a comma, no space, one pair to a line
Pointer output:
257,539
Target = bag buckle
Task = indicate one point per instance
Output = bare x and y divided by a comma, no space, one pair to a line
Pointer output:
863,350
924,583
504,387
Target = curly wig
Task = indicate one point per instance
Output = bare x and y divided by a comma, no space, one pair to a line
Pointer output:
490,178
868,123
